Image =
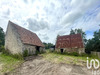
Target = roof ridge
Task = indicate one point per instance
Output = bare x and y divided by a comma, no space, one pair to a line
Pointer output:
68,35
20,26
27,36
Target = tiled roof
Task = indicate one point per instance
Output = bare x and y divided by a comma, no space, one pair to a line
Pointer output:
70,41
27,37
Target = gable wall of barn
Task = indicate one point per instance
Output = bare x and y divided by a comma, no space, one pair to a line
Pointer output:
12,40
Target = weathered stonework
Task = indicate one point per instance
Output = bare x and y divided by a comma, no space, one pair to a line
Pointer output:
12,40
70,50
15,45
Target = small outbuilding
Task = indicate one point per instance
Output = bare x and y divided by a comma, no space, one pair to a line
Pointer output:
19,39
70,43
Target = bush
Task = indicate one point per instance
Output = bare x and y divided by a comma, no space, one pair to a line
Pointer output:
25,53
75,54
2,48
17,56
6,52
37,52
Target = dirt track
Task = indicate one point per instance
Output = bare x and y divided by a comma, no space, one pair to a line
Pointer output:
39,66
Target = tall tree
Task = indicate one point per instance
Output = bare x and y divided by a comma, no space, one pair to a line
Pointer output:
2,37
94,43
97,40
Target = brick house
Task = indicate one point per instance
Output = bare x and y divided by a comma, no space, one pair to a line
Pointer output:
70,43
18,39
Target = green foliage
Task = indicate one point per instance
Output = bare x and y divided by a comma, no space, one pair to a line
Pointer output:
48,45
6,52
37,52
9,63
25,53
74,54
94,43
2,48
17,56
2,37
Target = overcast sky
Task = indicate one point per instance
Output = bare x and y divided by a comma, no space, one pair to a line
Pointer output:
48,18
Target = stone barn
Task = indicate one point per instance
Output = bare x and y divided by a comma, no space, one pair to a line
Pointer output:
18,39
70,43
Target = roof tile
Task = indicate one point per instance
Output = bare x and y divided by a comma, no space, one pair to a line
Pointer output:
27,37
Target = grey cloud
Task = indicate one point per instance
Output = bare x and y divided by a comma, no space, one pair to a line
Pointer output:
46,38
37,25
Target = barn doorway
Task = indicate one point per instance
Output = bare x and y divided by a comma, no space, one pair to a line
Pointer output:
37,48
61,50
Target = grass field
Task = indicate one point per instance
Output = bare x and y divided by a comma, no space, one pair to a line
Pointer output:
65,58
8,63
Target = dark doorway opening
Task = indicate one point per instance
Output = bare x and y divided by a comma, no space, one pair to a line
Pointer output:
37,48
61,50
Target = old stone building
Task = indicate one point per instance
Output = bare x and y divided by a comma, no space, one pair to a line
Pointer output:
19,39
70,43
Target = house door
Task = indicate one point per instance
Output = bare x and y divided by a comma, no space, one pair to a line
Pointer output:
61,50
38,48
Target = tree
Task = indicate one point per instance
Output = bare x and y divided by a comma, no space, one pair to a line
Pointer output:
2,37
79,31
48,45
94,43
72,31
89,46
97,40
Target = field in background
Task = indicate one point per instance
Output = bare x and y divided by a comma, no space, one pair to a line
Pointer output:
8,63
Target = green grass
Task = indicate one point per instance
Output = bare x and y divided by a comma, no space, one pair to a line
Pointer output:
8,63
67,58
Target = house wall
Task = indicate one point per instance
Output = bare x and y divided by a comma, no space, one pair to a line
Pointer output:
31,48
12,40
69,50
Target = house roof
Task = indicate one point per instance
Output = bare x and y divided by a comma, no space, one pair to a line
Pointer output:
26,36
70,41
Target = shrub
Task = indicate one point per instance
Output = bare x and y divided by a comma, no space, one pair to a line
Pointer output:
25,53
37,52
75,54
6,52
2,48
17,56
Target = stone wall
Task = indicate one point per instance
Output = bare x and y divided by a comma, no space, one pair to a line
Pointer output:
14,44
12,40
31,49
69,50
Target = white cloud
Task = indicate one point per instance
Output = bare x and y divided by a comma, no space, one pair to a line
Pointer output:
78,10
98,17
37,25
51,17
